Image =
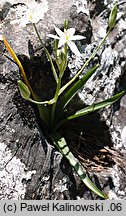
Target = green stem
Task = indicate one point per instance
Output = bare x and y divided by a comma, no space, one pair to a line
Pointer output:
42,102
54,104
47,53
61,72
85,65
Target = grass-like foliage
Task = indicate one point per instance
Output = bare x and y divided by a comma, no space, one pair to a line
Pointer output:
53,113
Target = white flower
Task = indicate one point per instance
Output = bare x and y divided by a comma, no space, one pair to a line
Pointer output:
22,22
29,17
67,37
33,13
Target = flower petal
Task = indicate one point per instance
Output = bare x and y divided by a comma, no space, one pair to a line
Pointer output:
71,32
62,41
59,32
77,37
12,22
74,48
23,22
1,37
53,36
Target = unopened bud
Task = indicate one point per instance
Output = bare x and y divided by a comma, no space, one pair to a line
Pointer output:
24,90
112,17
55,44
66,24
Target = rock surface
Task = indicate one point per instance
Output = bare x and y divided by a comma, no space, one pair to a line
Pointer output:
37,170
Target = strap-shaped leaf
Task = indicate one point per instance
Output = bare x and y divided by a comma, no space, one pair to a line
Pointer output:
61,144
96,106
75,88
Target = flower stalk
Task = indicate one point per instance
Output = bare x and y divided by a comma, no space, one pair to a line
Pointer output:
47,53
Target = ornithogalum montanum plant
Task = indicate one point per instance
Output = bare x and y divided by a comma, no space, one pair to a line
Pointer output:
53,113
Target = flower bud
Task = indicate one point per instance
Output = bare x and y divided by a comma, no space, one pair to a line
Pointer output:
55,45
112,17
66,24
24,90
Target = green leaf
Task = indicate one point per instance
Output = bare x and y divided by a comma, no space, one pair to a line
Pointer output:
75,88
96,106
62,146
24,90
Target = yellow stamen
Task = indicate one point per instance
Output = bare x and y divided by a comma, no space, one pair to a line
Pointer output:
66,34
